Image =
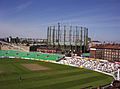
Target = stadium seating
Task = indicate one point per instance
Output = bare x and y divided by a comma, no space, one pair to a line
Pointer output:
29,55
103,66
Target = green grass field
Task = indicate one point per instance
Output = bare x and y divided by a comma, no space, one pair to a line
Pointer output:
14,76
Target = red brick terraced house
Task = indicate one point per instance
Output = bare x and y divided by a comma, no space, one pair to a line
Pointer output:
110,52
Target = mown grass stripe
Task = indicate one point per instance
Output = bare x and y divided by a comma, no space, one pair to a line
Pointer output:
94,84
60,80
48,76
55,76
35,74
71,83
48,81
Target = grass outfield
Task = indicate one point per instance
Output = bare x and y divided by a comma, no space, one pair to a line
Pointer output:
14,76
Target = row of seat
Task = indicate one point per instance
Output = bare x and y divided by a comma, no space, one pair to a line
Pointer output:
34,55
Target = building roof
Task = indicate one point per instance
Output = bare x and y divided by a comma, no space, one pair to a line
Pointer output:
97,41
107,46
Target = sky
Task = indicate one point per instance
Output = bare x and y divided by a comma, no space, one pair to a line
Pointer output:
30,18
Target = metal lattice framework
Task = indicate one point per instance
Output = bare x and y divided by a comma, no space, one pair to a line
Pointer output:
62,36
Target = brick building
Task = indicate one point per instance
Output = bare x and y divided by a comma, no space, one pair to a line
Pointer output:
44,49
109,52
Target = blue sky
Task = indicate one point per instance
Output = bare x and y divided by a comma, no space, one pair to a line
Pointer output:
30,18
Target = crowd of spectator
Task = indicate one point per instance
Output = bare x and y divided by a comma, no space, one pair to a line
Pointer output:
104,66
